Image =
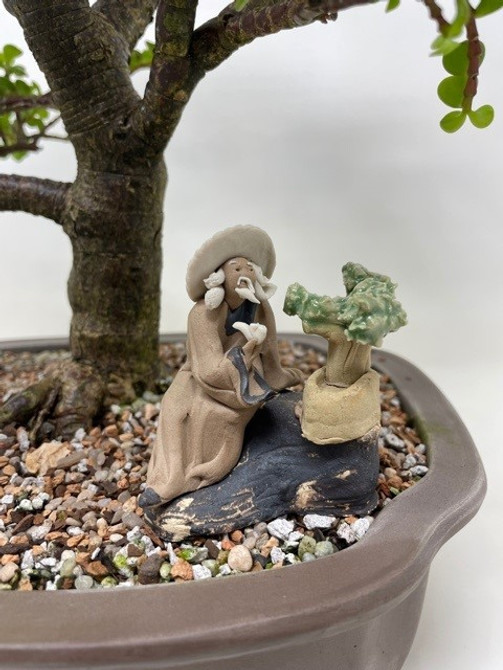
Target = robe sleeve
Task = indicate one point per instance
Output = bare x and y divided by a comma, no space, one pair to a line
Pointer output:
225,376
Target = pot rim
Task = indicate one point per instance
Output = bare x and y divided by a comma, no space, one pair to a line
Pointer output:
221,617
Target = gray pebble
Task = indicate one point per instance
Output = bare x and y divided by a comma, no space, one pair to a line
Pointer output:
409,462
419,470
307,546
394,441
322,549
67,567
84,582
165,570
307,557
212,566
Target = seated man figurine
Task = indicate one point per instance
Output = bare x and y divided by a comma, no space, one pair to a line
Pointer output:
232,365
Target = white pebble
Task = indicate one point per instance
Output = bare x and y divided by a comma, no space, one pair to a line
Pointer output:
277,555
173,558
201,572
74,531
23,439
224,570
116,537
37,533
296,536
280,528
79,435
419,470
7,499
26,505
318,521
27,562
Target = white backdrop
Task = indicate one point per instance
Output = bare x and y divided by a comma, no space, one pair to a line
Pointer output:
328,138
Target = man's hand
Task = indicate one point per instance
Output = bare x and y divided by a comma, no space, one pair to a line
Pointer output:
252,331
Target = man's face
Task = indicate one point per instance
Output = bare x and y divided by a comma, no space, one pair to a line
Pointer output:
239,281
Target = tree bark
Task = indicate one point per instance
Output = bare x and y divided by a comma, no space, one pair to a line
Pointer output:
114,223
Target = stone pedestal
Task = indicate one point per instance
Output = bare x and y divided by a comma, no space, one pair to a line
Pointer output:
279,472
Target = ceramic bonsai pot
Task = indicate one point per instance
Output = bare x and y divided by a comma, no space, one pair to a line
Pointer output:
355,610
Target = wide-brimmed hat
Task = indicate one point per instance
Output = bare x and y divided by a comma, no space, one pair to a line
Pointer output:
246,241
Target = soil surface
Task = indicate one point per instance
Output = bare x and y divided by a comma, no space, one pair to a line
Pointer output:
69,516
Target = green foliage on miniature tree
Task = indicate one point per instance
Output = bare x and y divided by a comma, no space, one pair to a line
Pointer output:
21,128
368,313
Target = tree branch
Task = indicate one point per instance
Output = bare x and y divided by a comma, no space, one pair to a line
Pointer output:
22,103
172,77
129,18
84,59
221,36
33,195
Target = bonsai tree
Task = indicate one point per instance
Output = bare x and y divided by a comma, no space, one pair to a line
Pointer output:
352,325
112,211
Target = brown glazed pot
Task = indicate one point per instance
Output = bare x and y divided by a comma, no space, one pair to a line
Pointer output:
355,610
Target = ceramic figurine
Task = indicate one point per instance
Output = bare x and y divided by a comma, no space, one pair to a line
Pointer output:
341,401
230,450
232,365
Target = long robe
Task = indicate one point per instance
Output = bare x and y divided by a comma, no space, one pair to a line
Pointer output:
217,391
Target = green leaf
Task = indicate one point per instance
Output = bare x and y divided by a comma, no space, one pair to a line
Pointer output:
443,45
19,155
16,70
482,117
10,53
488,7
464,12
392,4
22,88
451,91
139,59
456,62
453,121
240,4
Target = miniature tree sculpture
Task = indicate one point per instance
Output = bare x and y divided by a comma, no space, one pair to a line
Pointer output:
341,401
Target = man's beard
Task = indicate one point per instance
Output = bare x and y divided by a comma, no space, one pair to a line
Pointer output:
247,292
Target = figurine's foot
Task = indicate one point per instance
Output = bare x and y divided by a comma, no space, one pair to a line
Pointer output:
149,498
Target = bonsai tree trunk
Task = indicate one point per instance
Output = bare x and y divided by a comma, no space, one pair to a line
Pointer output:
114,223
347,360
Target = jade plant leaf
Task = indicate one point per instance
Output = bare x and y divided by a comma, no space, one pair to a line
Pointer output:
392,4
482,117
488,7
453,121
451,90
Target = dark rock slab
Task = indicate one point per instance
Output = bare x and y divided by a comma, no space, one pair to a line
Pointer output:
279,472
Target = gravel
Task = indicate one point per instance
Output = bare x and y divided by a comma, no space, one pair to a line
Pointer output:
69,514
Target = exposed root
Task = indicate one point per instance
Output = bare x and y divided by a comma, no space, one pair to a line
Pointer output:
66,399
